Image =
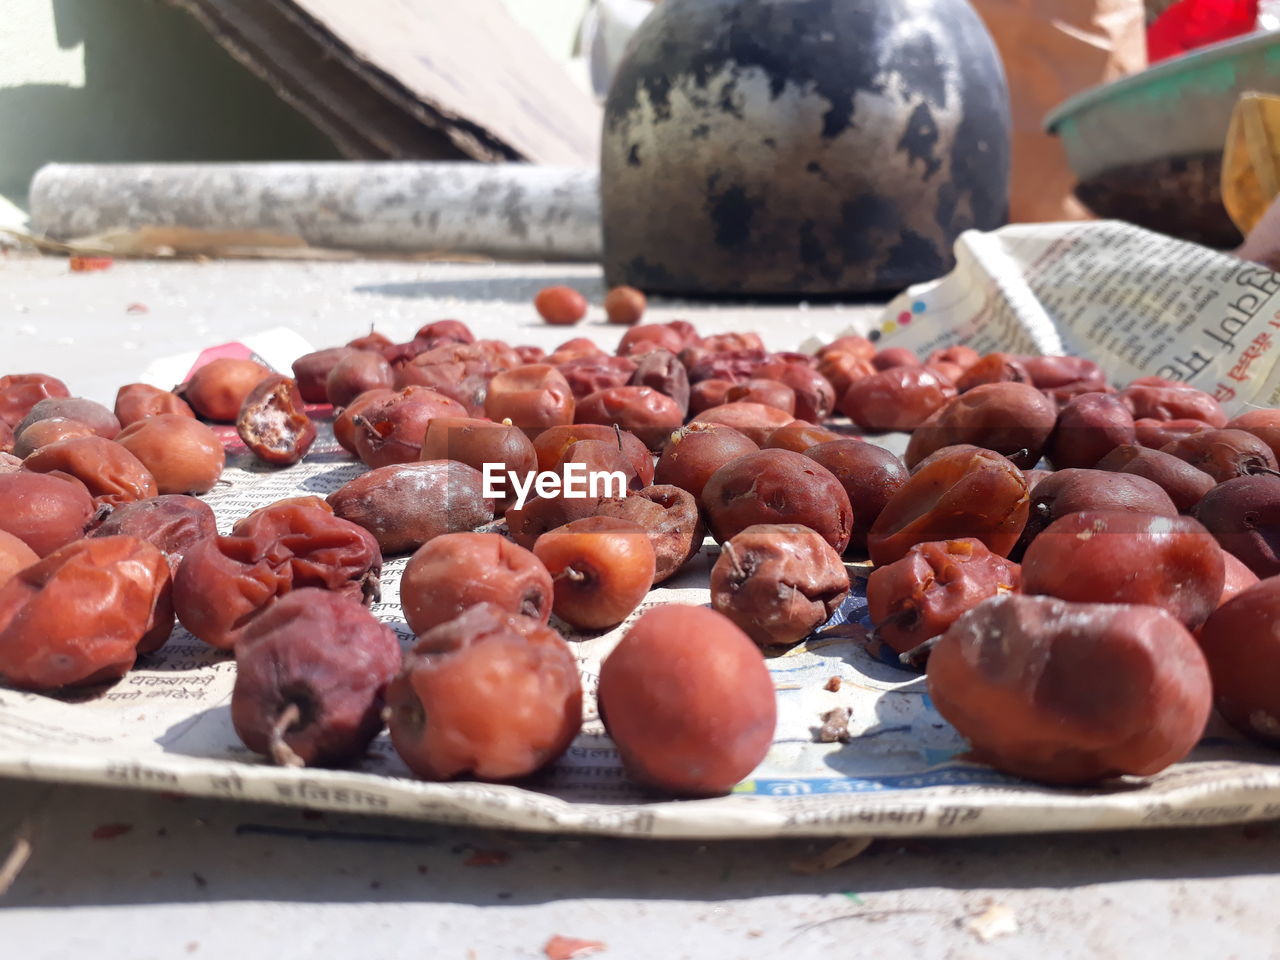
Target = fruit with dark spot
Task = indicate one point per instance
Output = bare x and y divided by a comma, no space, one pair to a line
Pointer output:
962,493
1224,454
918,597
405,505
460,570
777,486
602,568
273,422
1109,556
183,454
1071,693
344,424
488,695
311,674
1244,516
778,582
689,716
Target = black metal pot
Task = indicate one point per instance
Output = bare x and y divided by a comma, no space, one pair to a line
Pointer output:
806,147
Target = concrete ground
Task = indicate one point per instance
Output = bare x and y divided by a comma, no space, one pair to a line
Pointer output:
138,875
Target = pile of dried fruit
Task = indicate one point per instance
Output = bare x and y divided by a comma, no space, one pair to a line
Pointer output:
1077,623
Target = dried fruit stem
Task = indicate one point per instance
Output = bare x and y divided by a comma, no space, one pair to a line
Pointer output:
281,753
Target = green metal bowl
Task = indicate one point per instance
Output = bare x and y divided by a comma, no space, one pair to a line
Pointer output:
1148,148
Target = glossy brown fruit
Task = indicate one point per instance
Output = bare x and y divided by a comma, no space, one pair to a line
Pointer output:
477,442
1074,490
1071,693
697,451
961,493
994,368
44,512
1224,454
1184,484
19,392
1157,399
137,401
93,415
44,432
650,415
870,476
625,306
1244,516
669,516
217,390
899,398
1013,419
770,393
692,719
756,421
311,371
798,435
1108,556
599,371
551,444
532,397
1089,427
1263,424
563,306
1242,646
391,430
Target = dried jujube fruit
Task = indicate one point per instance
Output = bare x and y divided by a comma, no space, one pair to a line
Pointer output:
6,438
311,674
962,493
14,556
92,414
44,432
586,375
891,357
560,305
624,306
408,504
19,392
601,568
311,372
918,597
769,393
1107,556
1158,434
107,469
82,614
1241,643
488,695
1013,419
44,512
217,390
663,371
551,444
1157,399
1089,427
800,436
778,582
457,571
353,374
344,424
706,394
273,422
646,336
1186,485
224,582
1071,693
994,368
1224,454
533,397
1263,424
869,474
540,514
777,486
391,430
1244,516
170,523
898,398
1074,490
137,401
648,414
669,516
477,442
691,718
697,451
182,454
815,396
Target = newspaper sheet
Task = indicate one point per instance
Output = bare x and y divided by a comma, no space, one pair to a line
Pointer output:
166,725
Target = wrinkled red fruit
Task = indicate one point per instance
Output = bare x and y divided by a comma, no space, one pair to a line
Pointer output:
137,401
650,415
756,421
170,523
869,474
1263,424
273,422
532,397
1107,556
585,375
551,444
1242,645
697,451
310,677
815,396
662,371
461,570
1156,399
1244,516
391,430
1157,434
408,504
19,392
918,597
994,368
1224,454
312,370
224,581
181,453
108,471
688,718
961,493
900,398
1071,693
669,516
800,436
477,442
777,486
44,432
487,695
778,582
356,373
82,614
